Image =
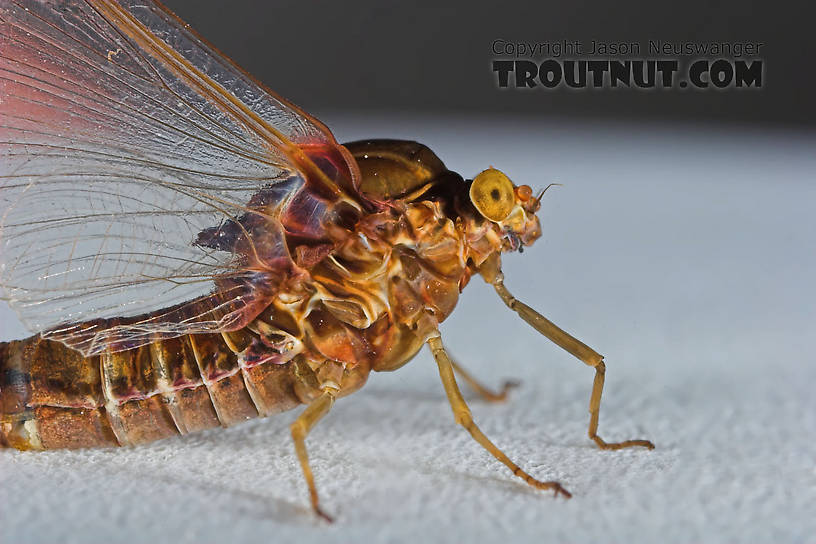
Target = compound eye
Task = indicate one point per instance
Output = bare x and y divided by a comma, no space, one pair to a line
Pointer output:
492,194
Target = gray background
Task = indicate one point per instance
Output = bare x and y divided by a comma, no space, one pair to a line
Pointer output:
681,247
435,56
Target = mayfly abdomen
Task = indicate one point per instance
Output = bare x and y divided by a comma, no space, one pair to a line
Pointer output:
52,397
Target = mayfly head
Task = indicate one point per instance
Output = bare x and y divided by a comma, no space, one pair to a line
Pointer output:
512,209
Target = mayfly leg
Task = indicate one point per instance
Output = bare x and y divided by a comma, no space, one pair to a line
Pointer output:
300,429
576,348
462,416
486,393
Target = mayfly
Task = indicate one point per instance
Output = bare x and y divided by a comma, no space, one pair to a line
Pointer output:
193,250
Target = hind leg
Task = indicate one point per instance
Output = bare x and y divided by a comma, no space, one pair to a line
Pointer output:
300,429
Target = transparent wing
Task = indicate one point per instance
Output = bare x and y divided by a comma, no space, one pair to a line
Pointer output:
127,148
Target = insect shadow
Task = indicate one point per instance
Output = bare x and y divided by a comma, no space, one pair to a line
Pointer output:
244,502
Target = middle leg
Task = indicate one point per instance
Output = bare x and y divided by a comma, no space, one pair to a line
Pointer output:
463,417
486,393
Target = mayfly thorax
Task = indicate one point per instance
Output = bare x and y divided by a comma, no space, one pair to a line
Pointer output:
192,250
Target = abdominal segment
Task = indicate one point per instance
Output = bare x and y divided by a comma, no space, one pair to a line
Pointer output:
52,397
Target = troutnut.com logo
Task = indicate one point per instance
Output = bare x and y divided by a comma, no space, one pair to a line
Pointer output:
572,64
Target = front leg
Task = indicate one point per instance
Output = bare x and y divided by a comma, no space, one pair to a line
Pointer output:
575,347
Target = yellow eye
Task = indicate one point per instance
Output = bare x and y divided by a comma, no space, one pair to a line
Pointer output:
492,194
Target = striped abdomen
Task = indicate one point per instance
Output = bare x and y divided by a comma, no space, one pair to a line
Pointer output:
53,397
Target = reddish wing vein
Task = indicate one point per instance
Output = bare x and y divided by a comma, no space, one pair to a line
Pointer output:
123,137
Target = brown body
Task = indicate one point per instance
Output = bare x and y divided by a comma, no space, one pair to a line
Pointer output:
370,304
53,397
288,266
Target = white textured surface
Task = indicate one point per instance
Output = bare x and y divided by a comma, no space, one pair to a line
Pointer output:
685,255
